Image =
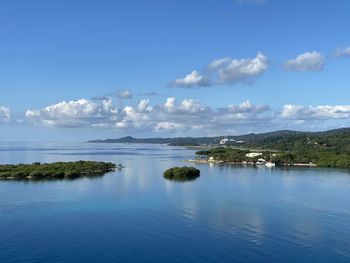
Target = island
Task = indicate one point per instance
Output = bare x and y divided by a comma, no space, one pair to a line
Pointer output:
57,170
182,173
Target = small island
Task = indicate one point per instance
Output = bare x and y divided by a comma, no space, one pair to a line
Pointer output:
57,170
182,174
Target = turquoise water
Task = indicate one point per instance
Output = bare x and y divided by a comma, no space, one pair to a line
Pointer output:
229,214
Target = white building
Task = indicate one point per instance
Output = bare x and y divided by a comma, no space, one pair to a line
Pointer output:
253,155
223,141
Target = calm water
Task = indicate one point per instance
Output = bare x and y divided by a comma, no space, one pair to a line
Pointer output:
229,214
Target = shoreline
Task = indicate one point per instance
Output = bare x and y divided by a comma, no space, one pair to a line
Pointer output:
249,163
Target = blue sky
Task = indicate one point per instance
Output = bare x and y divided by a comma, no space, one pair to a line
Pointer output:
279,65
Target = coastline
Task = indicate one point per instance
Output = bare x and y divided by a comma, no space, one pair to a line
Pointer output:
248,163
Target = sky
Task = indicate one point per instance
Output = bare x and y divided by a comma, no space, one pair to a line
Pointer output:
74,70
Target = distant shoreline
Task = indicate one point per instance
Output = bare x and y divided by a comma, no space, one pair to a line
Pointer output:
232,140
250,163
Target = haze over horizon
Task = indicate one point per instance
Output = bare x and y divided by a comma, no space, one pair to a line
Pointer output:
81,70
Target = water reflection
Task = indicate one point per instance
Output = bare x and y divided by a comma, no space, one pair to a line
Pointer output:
135,215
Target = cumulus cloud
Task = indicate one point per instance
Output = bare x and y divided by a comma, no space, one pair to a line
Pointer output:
342,52
226,71
231,71
5,114
321,112
187,116
194,79
244,112
79,113
187,106
171,116
308,61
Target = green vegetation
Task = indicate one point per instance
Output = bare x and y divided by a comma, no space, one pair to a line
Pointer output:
325,149
58,170
182,173
301,153
225,154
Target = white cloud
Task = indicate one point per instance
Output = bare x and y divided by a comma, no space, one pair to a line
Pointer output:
79,113
183,117
342,52
5,114
134,118
170,104
289,110
308,61
232,71
120,94
194,79
321,112
244,111
226,71
218,63
144,105
187,106
168,126
124,94
187,115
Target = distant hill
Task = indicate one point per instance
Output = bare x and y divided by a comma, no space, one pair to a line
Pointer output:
324,149
178,141
280,140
